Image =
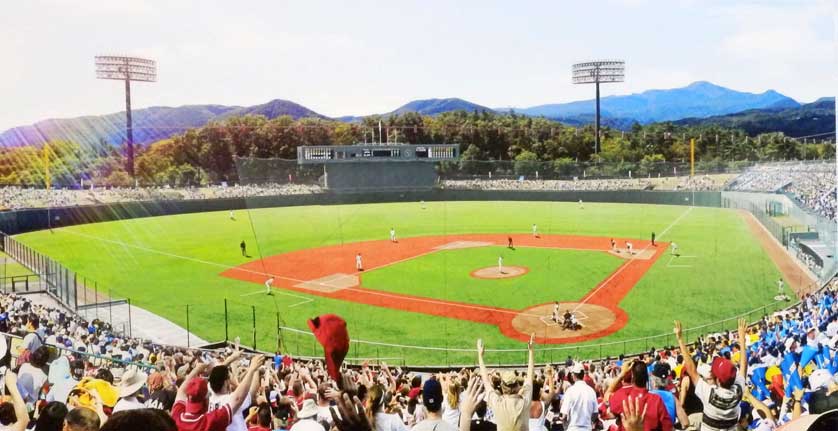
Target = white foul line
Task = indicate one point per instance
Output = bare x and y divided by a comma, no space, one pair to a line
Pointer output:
631,259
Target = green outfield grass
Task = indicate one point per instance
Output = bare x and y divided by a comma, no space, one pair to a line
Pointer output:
13,269
166,263
554,274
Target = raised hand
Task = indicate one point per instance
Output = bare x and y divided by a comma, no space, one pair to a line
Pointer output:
352,415
481,349
632,416
678,330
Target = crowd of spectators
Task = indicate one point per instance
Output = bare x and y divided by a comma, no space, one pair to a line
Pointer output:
812,184
14,197
697,183
66,373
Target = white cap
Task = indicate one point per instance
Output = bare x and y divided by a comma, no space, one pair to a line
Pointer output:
819,378
577,368
705,371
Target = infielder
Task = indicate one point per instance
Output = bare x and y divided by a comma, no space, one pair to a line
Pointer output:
614,245
358,264
629,247
392,234
534,231
268,284
500,264
674,249
556,312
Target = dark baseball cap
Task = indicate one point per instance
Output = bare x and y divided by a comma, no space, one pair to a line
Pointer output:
432,395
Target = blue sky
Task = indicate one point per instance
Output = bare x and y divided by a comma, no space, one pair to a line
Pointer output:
361,57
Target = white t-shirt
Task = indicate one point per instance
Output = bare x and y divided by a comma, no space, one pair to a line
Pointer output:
388,422
449,414
130,403
719,403
237,424
38,378
579,405
433,425
306,425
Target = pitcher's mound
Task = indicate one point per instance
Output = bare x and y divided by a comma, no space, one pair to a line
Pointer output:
538,320
491,272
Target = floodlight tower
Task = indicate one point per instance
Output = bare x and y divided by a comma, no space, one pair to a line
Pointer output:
127,69
596,72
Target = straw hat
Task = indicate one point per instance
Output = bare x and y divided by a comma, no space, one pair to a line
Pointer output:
131,382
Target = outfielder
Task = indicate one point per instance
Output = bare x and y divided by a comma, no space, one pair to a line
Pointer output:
534,231
232,216
674,249
358,264
581,205
268,284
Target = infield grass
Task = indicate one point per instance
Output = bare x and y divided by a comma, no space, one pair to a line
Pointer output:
166,263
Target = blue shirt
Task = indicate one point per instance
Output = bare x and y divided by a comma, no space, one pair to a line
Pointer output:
668,402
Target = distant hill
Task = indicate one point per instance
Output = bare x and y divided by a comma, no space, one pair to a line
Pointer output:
805,120
150,124
439,106
699,99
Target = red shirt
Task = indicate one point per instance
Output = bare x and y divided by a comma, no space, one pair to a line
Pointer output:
656,418
216,420
258,428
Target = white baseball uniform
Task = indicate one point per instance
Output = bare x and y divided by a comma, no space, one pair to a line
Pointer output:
534,230
358,264
268,284
500,263
392,235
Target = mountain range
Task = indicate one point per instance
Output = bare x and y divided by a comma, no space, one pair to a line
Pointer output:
695,103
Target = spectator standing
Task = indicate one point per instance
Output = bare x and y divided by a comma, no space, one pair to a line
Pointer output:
579,405
510,406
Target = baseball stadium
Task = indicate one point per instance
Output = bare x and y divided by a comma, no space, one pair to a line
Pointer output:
418,263
621,248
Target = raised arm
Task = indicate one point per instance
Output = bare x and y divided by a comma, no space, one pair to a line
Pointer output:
484,374
531,359
689,365
615,384
181,390
19,405
244,386
743,352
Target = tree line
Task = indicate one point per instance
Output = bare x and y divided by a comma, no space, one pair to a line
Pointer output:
207,154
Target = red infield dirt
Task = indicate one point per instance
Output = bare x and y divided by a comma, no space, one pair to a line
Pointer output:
330,272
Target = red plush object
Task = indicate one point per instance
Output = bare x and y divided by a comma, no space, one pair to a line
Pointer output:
330,331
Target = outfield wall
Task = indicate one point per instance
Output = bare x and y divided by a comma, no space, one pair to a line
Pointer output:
21,221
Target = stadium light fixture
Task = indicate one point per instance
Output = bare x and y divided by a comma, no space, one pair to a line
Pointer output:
127,69
597,72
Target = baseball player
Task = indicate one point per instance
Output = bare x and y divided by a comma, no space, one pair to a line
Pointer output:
232,216
629,247
509,242
392,234
674,249
556,317
581,205
534,231
422,203
500,264
614,245
268,285
780,287
358,263
653,239
243,246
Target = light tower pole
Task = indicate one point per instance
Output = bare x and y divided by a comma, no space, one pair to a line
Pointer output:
596,72
127,69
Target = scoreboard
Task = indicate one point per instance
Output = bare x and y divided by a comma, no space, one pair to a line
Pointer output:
327,154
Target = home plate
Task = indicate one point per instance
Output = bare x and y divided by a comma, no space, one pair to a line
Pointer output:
330,283
462,244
